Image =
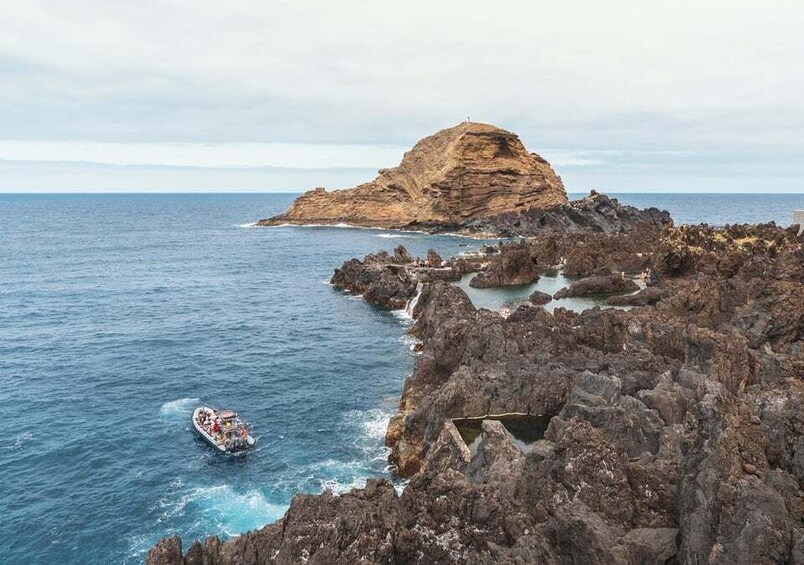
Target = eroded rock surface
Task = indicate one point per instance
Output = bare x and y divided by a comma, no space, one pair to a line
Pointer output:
513,266
596,213
599,284
381,278
467,171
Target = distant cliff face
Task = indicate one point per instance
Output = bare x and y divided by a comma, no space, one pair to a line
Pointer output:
468,171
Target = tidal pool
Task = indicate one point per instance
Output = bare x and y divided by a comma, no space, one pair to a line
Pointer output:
525,429
511,297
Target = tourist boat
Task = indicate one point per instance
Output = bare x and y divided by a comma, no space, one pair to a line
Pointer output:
231,434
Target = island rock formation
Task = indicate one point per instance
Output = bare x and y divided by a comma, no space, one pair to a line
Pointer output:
468,171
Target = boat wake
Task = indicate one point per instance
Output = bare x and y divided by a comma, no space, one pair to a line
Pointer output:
178,409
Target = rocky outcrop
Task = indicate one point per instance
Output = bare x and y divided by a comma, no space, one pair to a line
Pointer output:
675,429
380,278
645,297
513,266
600,284
595,213
539,298
468,171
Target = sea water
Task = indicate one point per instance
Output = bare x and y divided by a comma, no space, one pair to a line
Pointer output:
120,313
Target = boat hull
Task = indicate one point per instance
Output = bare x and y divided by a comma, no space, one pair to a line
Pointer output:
208,438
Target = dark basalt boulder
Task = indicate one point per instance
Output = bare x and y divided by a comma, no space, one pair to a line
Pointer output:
599,284
513,266
539,298
645,297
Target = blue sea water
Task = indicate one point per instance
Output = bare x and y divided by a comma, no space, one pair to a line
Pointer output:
120,313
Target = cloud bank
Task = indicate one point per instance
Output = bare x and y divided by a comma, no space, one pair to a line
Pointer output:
675,93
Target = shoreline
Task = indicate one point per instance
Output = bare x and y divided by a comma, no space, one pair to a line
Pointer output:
447,323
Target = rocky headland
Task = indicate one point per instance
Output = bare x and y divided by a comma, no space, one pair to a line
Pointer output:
674,429
468,171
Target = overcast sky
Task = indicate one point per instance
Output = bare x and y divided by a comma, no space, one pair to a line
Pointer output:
261,95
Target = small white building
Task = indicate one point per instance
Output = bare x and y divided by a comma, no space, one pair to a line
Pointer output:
798,218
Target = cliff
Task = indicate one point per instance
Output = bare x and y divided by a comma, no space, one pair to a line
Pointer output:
464,172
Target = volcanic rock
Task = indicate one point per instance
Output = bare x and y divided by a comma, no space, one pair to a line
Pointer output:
597,212
645,297
467,171
539,298
601,284
379,278
513,266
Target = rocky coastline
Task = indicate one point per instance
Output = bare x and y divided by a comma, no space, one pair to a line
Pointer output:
675,427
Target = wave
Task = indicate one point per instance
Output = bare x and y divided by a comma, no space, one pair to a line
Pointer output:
343,225
392,235
249,225
232,512
375,423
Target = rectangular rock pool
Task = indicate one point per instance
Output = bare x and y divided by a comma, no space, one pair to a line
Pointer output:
525,429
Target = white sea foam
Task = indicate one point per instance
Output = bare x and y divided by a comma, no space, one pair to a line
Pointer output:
338,487
248,225
20,440
375,423
178,407
233,512
342,225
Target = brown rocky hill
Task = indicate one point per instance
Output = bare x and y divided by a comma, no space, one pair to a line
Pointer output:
468,171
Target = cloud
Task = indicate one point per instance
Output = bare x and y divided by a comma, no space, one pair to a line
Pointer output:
574,76
206,155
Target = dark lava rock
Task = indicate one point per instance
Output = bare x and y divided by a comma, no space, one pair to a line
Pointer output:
599,284
433,258
595,213
513,266
379,278
539,298
645,297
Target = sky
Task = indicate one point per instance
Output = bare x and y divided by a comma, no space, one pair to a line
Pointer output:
248,95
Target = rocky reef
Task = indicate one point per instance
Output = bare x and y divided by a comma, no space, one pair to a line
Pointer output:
467,171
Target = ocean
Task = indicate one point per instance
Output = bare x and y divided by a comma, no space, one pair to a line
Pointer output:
120,313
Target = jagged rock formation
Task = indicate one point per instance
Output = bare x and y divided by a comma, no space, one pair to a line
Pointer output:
597,212
513,266
380,278
676,429
467,171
